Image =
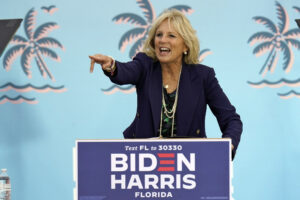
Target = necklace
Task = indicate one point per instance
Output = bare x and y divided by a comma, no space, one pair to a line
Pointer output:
169,113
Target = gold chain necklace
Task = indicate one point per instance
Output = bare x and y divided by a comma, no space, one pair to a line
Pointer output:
170,114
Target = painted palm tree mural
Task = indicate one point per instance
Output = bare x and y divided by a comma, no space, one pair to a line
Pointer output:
277,41
139,33
36,45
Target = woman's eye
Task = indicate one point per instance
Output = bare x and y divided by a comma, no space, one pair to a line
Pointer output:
158,35
171,35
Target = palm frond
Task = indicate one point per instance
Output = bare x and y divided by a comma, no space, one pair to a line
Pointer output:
263,48
294,43
203,53
11,55
183,8
260,36
137,47
283,17
17,39
29,23
292,34
267,22
44,29
49,42
297,8
26,61
287,56
147,9
49,53
130,36
130,18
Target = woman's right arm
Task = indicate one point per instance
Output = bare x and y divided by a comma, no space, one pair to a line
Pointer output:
121,73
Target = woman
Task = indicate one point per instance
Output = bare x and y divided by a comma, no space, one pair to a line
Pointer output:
173,90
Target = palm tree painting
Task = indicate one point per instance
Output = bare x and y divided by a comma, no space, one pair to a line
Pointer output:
276,41
35,45
139,33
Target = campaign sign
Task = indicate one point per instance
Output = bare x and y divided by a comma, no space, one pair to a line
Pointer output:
132,169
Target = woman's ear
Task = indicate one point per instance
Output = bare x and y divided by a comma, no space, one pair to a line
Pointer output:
186,49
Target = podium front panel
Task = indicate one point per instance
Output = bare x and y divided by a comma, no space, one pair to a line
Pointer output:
152,169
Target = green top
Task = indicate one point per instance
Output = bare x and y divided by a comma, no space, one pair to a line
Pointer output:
167,122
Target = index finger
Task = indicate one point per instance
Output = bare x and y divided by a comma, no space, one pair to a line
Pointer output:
92,65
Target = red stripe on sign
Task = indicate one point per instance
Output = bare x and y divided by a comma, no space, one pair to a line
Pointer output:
166,169
166,162
166,155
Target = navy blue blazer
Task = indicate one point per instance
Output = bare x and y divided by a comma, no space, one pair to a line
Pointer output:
198,88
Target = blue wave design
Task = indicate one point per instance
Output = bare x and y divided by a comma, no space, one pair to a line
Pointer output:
29,85
119,87
283,80
289,93
16,98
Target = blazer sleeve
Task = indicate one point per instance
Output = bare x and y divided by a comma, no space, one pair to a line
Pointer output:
228,120
130,72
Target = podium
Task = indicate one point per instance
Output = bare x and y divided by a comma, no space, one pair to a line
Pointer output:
132,169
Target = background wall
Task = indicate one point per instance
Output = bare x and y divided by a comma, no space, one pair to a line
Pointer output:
252,45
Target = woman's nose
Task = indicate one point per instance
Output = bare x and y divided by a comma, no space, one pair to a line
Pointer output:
163,38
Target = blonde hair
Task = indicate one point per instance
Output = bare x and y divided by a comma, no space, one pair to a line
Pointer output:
184,28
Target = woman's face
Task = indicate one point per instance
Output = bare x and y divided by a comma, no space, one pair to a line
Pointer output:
168,44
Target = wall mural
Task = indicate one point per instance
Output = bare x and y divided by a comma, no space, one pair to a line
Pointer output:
49,9
138,35
278,40
36,45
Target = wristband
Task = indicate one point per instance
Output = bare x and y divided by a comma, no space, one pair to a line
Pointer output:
112,67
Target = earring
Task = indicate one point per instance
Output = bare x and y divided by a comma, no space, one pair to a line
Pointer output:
185,53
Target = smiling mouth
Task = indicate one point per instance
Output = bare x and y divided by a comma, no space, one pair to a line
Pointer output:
164,50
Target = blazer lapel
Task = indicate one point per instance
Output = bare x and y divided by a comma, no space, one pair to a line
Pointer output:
187,99
155,95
